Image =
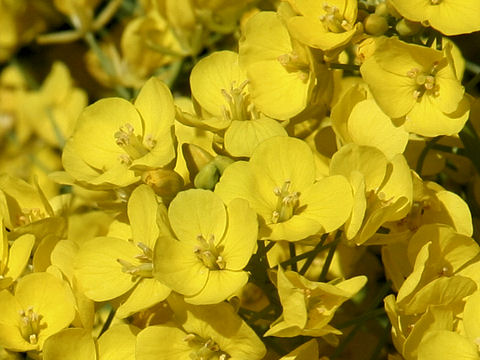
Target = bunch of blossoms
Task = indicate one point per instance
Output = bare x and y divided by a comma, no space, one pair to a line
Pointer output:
307,196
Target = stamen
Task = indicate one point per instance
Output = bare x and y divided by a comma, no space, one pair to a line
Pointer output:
29,325
130,143
208,254
145,269
237,102
286,203
333,20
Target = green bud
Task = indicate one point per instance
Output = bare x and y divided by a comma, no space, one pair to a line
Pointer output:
207,177
375,25
221,162
407,28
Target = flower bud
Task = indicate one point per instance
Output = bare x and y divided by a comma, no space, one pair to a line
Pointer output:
375,25
207,177
407,28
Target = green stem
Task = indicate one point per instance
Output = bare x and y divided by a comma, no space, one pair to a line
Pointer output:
56,128
270,246
472,83
105,63
313,254
303,256
291,247
423,154
381,343
439,44
471,143
362,318
328,260
375,303
450,150
348,67
108,322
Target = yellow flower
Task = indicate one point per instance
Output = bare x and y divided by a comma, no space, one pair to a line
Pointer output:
417,84
118,342
309,306
279,70
214,245
42,306
408,330
280,184
382,189
202,332
115,140
357,118
451,17
52,111
324,25
220,87
108,267
443,344
14,258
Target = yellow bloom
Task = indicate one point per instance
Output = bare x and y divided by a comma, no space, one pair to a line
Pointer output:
118,342
52,111
357,118
280,184
451,17
324,25
382,189
279,70
115,140
202,332
220,87
309,306
417,84
14,258
108,267
214,245
41,307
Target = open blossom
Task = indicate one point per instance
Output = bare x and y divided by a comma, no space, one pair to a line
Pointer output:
418,85
211,243
451,17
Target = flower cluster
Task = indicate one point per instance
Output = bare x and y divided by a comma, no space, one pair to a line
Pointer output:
244,180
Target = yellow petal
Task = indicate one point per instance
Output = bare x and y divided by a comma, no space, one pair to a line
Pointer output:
221,284
142,213
118,343
147,293
196,213
70,344
99,273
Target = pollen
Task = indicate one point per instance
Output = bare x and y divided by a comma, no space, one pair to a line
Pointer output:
424,81
208,253
333,20
30,325
143,268
286,203
293,63
132,144
237,102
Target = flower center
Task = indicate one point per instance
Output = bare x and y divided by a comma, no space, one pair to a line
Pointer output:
435,2
424,81
207,253
286,203
204,349
30,325
144,268
333,21
134,146
29,216
293,63
237,102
